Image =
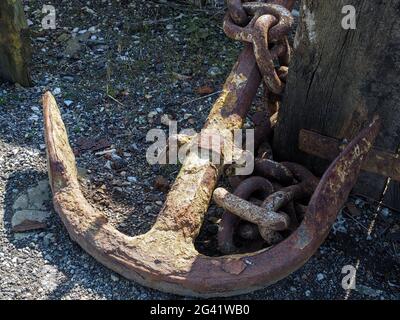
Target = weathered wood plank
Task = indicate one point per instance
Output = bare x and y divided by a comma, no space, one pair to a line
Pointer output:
339,79
14,43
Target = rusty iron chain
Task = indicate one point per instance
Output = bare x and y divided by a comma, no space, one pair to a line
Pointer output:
265,25
267,206
275,189
274,192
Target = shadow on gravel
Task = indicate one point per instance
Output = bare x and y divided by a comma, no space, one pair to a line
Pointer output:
64,266
17,183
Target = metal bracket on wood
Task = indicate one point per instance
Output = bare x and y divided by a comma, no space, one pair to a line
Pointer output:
378,161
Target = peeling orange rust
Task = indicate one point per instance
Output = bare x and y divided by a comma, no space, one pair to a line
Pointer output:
238,93
305,188
268,221
239,11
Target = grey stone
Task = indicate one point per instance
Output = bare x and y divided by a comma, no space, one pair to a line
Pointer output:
34,198
72,47
31,208
114,278
295,13
68,78
214,72
21,202
68,102
48,240
63,37
367,291
24,236
49,279
132,179
25,220
320,277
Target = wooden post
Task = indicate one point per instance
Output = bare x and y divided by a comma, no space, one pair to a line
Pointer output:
14,43
340,78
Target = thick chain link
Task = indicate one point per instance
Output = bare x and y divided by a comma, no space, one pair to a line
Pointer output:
237,12
266,26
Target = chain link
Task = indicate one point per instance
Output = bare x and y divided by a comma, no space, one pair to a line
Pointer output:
267,28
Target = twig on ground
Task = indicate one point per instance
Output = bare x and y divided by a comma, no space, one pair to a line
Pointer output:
115,100
204,97
148,23
181,6
359,223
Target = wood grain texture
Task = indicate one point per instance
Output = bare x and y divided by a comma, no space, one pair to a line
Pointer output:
15,48
339,79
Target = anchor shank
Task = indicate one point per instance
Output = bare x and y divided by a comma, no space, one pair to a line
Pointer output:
191,193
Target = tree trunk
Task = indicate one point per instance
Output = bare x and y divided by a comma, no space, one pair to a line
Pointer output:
14,43
339,79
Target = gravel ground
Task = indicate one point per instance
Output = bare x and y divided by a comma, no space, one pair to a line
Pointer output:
101,49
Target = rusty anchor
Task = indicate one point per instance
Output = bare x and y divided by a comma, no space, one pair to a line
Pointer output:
165,257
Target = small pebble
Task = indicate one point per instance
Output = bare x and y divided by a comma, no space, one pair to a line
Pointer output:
114,278
34,117
320,277
385,212
214,72
165,120
68,102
